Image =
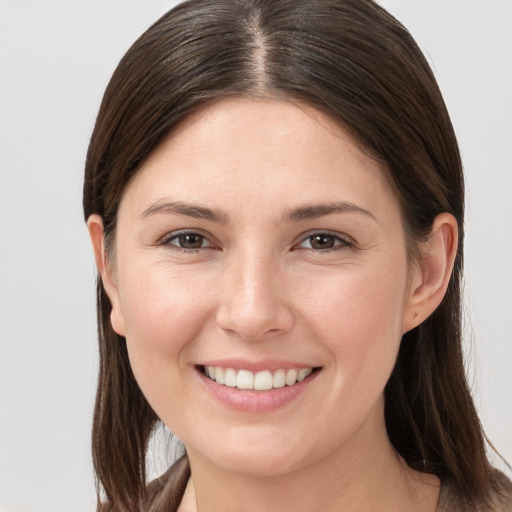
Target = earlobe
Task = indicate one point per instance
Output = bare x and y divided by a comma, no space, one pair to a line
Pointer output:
431,275
96,233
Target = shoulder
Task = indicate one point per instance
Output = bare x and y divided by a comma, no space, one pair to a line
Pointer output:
499,498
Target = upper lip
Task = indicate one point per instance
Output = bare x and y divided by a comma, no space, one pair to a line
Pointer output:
255,366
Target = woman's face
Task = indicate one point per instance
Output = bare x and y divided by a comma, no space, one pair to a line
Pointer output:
260,245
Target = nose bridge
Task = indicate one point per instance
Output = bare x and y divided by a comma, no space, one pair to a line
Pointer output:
252,300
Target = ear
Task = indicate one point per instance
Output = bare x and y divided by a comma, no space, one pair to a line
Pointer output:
108,278
431,275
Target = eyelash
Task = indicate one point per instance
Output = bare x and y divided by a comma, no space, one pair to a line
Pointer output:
342,242
167,241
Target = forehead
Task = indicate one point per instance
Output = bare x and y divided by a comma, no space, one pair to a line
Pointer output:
252,120
237,149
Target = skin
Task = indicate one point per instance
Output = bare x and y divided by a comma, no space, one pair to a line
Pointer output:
257,289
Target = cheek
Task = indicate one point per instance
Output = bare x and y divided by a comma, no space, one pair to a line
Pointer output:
358,315
164,311
364,300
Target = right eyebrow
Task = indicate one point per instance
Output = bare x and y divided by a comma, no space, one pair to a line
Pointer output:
188,209
319,210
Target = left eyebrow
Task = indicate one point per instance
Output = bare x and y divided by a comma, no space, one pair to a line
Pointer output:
190,210
319,210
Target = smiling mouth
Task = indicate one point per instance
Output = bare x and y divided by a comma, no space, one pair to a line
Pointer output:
258,381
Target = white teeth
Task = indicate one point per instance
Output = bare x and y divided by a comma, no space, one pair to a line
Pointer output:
219,375
259,381
291,377
263,381
303,373
230,378
244,380
279,379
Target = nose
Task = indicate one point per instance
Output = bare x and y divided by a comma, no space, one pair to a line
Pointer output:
254,301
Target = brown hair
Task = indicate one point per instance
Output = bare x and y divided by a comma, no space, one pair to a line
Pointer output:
355,62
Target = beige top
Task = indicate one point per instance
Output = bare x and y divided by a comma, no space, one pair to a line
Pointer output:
500,497
450,500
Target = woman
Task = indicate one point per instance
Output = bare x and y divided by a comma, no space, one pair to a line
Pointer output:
308,352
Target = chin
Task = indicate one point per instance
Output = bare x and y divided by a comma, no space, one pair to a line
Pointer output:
257,455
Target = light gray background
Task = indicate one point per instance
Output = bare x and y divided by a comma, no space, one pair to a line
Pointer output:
55,59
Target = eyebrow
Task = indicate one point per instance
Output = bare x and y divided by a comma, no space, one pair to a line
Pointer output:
312,211
319,210
190,210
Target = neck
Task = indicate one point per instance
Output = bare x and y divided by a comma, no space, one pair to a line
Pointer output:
365,474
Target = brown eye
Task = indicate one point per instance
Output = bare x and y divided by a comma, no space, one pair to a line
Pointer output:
186,240
190,241
322,241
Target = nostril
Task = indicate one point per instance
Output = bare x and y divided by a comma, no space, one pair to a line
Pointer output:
253,307
253,327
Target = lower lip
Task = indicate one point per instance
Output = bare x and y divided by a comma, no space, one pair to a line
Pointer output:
256,401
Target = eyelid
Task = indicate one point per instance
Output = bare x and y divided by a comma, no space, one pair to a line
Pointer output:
347,241
166,239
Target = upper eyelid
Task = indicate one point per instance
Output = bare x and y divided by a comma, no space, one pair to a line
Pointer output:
186,231
171,235
342,236
298,240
